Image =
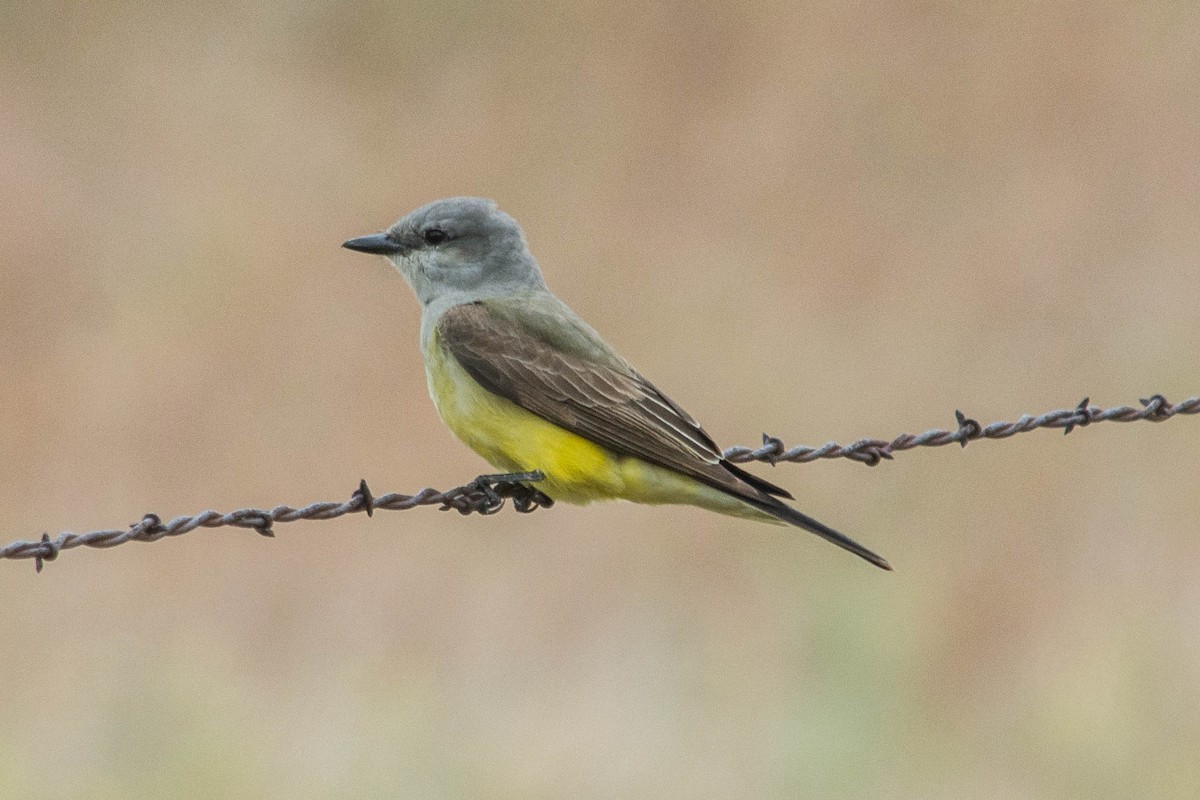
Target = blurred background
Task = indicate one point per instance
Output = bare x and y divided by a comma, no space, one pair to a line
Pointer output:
824,223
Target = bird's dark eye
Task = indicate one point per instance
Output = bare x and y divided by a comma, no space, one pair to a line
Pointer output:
434,236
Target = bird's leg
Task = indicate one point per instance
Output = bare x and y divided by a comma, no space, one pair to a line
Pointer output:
511,484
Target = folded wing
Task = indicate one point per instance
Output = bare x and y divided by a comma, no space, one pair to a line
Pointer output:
601,399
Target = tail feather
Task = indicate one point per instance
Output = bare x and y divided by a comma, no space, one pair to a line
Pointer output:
756,482
764,496
791,516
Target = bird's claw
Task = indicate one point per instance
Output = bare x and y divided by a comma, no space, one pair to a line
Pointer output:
494,488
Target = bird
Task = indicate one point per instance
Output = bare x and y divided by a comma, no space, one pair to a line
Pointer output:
528,385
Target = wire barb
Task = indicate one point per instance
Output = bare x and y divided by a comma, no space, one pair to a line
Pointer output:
1082,411
47,552
364,496
968,428
487,493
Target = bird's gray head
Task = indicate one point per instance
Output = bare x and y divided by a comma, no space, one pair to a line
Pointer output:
458,249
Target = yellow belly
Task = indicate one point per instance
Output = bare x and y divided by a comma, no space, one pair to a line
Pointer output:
577,470
514,440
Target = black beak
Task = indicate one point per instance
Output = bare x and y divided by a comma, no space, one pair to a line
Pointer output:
376,243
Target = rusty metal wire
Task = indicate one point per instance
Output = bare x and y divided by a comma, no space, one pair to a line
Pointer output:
872,451
485,495
474,498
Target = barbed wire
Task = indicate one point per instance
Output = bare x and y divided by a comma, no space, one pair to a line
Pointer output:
872,451
487,493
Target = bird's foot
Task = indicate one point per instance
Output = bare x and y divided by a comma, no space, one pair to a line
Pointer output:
495,488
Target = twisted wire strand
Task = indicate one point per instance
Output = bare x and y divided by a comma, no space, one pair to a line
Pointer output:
478,498
872,451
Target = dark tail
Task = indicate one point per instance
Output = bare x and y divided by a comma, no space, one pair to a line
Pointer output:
781,511
793,517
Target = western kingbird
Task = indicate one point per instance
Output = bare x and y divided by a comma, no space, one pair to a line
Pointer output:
528,385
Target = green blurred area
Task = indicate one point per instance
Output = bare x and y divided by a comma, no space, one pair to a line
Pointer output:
821,222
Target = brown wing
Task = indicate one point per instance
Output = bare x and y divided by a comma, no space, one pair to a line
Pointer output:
606,402
581,385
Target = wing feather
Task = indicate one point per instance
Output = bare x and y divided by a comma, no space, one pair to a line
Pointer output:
602,399
581,385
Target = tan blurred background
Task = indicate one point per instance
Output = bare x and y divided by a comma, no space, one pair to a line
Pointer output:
824,223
